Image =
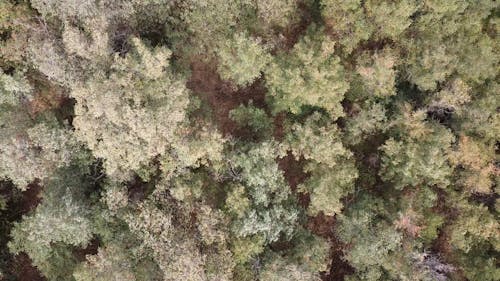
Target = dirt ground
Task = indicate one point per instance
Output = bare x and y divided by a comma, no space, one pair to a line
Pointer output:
22,269
222,96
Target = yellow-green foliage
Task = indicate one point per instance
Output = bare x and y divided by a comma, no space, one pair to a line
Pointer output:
242,59
311,74
111,263
348,22
131,117
271,212
29,151
420,155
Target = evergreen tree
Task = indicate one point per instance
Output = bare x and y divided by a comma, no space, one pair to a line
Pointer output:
131,109
309,75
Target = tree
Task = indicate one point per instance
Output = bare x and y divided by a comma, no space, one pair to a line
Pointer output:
309,75
131,117
453,96
331,167
111,263
195,144
175,253
253,118
390,18
476,165
310,251
475,227
481,119
60,222
476,240
441,49
280,270
209,22
30,149
374,240
14,21
371,120
317,139
349,24
420,155
242,59
271,211
378,74
328,186
276,13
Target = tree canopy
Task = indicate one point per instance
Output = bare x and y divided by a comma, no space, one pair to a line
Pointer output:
249,140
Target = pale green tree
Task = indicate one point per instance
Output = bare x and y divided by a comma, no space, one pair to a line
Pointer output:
328,185
242,59
316,139
111,263
420,155
374,240
60,222
390,18
310,251
476,239
252,117
476,162
209,22
29,150
276,12
175,253
378,74
131,117
270,210
279,269
331,165
348,22
369,121
309,75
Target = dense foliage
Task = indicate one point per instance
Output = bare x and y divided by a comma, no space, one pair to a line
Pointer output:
272,140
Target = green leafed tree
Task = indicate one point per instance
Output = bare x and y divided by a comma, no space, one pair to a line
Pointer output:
371,120
390,18
242,59
32,147
131,117
60,223
331,165
252,117
348,22
475,237
210,21
269,209
374,240
111,263
378,74
328,186
309,75
280,269
276,13
420,155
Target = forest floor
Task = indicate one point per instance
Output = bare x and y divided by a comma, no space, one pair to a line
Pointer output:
222,96
22,269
